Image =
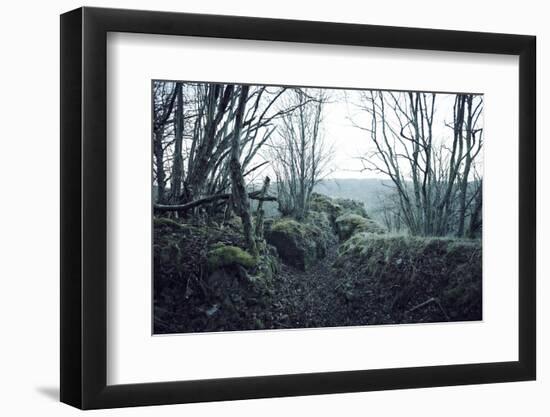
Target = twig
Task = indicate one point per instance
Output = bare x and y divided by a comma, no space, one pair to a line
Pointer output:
429,301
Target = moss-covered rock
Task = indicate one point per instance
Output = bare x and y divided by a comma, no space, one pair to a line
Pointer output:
336,207
288,226
350,223
223,256
351,206
298,244
324,204
322,229
318,219
234,223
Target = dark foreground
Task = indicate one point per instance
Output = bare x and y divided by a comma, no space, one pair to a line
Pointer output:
336,268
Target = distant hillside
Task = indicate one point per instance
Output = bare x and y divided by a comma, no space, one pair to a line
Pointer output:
368,190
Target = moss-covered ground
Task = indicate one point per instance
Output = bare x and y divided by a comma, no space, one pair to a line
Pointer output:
337,267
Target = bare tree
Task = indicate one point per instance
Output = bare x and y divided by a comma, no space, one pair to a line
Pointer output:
474,228
389,211
193,142
432,179
163,104
177,165
238,188
298,153
472,139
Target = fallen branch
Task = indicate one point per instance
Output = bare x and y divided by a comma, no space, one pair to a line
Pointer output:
429,301
255,195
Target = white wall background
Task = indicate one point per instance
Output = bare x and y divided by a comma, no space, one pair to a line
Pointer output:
29,260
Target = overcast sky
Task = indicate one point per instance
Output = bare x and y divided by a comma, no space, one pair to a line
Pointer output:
349,142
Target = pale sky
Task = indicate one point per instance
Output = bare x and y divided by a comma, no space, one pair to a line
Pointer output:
348,141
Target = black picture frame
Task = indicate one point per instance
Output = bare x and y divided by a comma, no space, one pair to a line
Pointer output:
84,207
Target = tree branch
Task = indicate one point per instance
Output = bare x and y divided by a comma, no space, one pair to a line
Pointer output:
255,195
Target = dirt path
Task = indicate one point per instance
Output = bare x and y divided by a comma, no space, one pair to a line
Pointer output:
310,298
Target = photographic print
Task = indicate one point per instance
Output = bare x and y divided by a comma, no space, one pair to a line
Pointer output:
290,207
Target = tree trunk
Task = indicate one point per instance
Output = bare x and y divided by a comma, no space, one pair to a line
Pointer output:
177,167
201,162
475,216
159,163
240,196
260,212
466,170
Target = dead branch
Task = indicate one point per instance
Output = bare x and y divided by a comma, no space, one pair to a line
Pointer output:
430,301
255,195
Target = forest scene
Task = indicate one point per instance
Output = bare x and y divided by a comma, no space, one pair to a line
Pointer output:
278,207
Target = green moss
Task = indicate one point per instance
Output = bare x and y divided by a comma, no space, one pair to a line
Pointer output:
288,226
223,255
351,206
324,204
298,244
318,219
407,269
395,255
350,218
234,223
320,202
350,223
166,222
353,244
170,227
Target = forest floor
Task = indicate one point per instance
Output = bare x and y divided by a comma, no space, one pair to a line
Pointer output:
309,298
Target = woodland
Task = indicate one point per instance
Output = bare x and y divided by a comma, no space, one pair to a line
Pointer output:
252,230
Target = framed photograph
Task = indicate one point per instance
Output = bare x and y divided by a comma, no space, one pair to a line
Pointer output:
256,208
